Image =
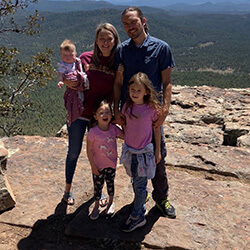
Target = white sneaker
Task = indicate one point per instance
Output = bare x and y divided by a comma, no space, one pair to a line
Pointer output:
110,210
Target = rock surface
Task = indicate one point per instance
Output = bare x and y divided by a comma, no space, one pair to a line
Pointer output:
208,173
7,198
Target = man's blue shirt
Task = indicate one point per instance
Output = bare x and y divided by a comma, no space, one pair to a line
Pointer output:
151,58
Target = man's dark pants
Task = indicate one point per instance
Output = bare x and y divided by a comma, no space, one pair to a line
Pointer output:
160,181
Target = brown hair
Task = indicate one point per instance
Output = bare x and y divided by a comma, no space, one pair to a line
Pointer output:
97,52
150,98
67,45
139,14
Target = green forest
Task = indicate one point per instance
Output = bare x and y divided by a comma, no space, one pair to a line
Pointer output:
209,49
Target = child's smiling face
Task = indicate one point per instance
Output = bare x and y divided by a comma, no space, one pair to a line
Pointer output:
68,56
103,115
137,93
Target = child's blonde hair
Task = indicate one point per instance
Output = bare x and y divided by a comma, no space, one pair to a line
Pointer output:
68,45
151,98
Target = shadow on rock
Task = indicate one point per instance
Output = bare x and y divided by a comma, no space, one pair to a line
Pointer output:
49,233
56,231
110,228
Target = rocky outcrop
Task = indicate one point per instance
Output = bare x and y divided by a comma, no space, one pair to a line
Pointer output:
207,136
7,199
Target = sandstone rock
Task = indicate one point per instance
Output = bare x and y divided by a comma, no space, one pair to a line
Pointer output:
209,182
193,134
7,199
244,141
63,132
232,131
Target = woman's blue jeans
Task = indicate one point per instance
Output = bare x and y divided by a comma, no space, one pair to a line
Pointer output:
76,133
140,189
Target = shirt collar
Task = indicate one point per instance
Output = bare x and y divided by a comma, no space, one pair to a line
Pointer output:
144,44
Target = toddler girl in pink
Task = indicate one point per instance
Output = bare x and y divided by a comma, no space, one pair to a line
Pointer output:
102,155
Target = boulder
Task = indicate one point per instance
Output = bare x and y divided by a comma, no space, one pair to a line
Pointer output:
7,198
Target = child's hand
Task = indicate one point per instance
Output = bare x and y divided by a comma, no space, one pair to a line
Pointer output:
157,156
95,170
60,84
120,119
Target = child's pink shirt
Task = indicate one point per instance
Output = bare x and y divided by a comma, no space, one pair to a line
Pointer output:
138,131
104,146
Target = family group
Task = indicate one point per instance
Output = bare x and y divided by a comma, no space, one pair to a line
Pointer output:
119,90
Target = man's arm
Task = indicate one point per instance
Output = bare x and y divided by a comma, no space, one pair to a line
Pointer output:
167,92
157,135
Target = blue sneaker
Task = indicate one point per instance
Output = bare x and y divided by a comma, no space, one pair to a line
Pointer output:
132,224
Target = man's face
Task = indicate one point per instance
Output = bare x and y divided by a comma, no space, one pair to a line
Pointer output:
133,25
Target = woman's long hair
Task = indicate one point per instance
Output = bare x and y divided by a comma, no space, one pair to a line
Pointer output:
97,52
151,98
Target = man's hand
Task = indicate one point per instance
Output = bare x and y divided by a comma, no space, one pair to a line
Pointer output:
161,119
157,156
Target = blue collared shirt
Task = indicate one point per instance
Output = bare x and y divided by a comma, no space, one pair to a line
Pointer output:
151,58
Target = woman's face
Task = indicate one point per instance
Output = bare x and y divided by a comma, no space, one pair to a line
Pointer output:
105,42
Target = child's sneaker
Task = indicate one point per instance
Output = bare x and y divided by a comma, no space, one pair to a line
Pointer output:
132,224
110,210
95,214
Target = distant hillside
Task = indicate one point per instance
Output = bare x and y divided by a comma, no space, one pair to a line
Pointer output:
198,41
67,6
208,50
174,7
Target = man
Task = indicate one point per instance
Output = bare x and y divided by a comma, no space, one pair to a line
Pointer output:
147,54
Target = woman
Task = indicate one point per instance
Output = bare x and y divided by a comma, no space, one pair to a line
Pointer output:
99,67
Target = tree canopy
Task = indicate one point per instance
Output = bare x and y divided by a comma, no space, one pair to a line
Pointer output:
19,78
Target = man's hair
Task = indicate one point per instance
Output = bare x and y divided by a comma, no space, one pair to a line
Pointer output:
68,45
139,14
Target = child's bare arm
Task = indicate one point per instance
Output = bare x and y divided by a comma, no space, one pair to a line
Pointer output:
157,135
91,158
59,79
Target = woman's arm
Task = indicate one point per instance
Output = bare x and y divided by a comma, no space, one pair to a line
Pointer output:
117,96
91,157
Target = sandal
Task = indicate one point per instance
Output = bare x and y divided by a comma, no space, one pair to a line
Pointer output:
103,201
69,198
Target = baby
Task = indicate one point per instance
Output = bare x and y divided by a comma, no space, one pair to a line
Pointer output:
70,68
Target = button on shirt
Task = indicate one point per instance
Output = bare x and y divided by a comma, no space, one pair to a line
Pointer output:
151,58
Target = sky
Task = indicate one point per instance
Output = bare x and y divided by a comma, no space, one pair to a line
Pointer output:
167,2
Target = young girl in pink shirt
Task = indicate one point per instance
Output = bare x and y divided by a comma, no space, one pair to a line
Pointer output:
139,155
102,155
